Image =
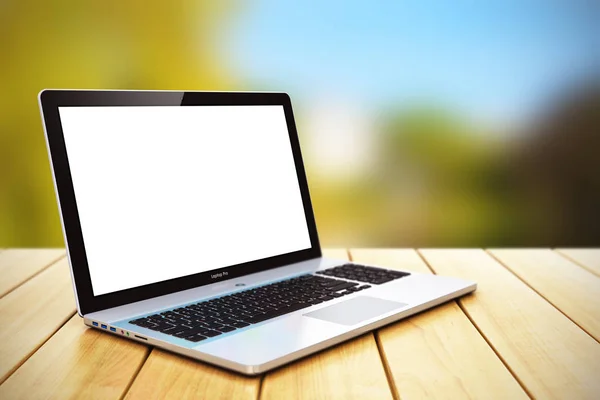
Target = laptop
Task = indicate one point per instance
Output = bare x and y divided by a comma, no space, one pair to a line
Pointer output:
188,226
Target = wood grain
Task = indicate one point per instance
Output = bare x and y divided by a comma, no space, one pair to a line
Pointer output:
438,346
77,362
30,314
438,353
566,285
551,356
169,376
587,258
352,370
18,265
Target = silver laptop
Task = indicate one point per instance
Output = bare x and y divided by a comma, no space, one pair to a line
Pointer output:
188,226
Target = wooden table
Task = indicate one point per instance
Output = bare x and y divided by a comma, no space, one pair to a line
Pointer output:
531,330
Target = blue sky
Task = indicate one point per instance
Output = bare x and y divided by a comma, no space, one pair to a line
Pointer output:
494,60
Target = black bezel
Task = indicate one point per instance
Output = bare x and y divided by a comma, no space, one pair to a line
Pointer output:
50,100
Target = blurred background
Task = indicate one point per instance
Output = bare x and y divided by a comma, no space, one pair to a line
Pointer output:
423,123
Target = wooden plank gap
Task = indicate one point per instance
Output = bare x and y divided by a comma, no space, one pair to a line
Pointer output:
563,254
12,280
386,367
540,294
482,334
349,254
77,362
32,352
260,386
51,263
137,372
527,330
422,257
168,375
506,365
33,313
441,343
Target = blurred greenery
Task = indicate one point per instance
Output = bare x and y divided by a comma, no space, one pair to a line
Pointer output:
442,182
421,175
438,181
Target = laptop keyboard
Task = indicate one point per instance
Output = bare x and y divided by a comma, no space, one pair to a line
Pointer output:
211,318
362,273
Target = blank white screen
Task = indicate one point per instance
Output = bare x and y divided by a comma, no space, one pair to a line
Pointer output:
165,192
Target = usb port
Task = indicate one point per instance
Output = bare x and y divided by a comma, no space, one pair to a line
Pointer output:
94,323
113,329
103,326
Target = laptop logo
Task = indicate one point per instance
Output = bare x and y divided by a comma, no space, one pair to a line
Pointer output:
219,275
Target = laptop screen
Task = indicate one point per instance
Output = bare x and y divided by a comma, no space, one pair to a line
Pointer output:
164,192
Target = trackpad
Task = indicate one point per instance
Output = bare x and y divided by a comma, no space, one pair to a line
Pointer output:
355,310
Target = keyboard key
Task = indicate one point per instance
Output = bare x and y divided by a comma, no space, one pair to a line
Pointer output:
161,327
343,286
381,281
182,334
195,338
194,331
174,329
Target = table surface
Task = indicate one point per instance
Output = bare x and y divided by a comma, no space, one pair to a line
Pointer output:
532,329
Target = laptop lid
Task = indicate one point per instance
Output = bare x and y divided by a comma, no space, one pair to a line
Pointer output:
166,191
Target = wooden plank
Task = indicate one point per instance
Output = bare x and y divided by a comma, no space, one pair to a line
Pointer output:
351,370
169,376
550,355
438,353
77,362
587,258
18,265
30,314
566,285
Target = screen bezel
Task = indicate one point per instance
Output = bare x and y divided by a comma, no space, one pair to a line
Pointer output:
51,100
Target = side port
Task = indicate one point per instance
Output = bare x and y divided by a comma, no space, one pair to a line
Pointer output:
103,326
113,329
94,323
140,337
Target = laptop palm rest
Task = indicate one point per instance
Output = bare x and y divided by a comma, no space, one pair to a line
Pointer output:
356,310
